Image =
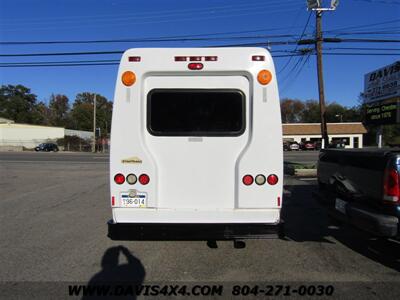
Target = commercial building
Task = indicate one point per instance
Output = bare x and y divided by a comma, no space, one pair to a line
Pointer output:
349,133
15,136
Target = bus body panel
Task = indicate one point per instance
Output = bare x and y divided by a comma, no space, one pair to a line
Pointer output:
197,179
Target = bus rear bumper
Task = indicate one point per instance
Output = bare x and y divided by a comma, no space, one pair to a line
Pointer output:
193,231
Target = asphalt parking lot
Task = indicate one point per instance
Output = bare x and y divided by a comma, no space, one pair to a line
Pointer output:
53,213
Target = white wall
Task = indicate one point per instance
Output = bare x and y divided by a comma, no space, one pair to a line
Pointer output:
28,136
80,133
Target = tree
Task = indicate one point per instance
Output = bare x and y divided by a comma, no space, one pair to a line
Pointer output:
42,114
291,110
311,113
59,108
18,103
82,113
335,112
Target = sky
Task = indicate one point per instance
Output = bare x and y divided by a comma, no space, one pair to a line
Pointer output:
211,23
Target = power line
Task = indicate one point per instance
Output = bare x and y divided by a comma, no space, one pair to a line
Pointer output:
152,13
62,62
147,40
381,2
60,65
364,25
359,48
170,18
361,54
264,44
301,36
116,62
63,53
184,38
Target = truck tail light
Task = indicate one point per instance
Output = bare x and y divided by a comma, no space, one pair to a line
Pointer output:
391,186
248,179
119,178
144,179
272,179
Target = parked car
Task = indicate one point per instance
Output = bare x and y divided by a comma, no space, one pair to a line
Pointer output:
337,144
308,145
362,187
294,146
47,147
286,146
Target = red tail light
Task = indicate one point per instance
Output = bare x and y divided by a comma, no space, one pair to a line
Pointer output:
195,66
272,179
144,179
248,179
391,186
119,178
112,201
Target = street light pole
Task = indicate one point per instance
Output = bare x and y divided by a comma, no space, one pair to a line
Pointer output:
94,125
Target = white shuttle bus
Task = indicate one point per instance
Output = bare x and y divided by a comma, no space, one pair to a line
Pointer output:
196,145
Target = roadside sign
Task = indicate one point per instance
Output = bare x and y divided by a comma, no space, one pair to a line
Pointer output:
382,95
383,112
382,84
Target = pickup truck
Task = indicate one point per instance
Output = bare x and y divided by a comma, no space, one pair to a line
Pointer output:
362,187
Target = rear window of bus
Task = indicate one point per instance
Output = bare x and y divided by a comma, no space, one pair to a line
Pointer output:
194,112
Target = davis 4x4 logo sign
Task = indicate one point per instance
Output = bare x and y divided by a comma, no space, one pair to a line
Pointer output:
381,95
382,84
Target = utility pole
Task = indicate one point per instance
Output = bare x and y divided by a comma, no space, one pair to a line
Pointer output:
94,125
318,49
315,5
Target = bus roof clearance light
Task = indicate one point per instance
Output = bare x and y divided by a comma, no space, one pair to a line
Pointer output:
128,78
258,58
264,77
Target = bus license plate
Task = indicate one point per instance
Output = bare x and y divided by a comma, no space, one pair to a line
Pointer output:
138,201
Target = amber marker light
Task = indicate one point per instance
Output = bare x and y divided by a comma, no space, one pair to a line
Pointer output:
128,78
264,77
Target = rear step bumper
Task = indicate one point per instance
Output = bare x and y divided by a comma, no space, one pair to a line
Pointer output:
192,232
362,217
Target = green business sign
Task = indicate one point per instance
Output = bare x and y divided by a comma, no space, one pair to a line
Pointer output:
383,112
